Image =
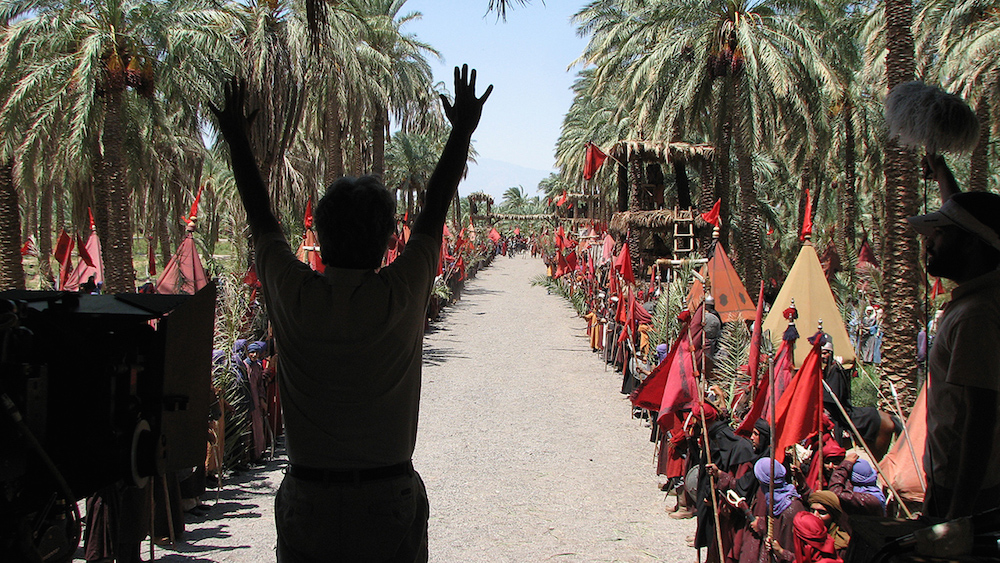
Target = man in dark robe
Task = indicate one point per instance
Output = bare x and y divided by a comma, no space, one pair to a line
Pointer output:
730,453
838,379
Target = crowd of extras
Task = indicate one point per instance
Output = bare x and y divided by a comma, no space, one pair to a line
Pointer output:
749,507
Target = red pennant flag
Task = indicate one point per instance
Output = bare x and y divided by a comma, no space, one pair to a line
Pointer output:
783,372
623,263
680,390
193,214
797,414
308,219
712,217
152,257
561,266
28,248
592,161
81,249
93,226
64,248
937,288
517,231
807,221
570,261
446,233
494,235
562,200
250,278
865,253
649,393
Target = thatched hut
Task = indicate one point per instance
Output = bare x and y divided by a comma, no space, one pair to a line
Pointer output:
646,212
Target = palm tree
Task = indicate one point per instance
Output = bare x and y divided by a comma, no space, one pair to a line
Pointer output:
728,70
513,198
901,266
405,79
81,70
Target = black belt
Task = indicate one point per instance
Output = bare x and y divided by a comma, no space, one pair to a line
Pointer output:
349,475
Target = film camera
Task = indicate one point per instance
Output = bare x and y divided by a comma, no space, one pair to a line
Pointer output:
96,390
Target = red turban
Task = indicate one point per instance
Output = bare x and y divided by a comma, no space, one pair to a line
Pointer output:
832,449
812,544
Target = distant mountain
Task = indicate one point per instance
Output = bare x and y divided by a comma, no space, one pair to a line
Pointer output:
494,177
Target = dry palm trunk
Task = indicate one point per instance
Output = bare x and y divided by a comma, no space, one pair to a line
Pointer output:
11,269
119,275
979,162
901,266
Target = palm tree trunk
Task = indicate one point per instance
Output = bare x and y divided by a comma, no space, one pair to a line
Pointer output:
847,194
378,124
119,274
901,248
333,133
979,162
634,182
723,144
45,236
11,268
750,257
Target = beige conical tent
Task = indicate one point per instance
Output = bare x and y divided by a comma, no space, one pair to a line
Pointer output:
807,285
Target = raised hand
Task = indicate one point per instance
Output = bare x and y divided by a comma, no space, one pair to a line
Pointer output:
464,114
232,119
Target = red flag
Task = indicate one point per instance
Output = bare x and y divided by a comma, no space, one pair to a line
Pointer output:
797,414
762,399
561,266
445,233
623,263
308,219
681,387
152,256
807,221
937,288
93,226
517,231
570,261
193,213
250,278
28,248
592,161
64,248
81,249
649,393
562,200
865,253
712,217
494,235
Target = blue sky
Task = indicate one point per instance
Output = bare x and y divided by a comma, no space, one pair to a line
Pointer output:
526,60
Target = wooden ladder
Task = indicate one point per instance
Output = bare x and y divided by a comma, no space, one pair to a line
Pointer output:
683,232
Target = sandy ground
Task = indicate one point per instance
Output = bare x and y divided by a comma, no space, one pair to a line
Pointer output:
528,450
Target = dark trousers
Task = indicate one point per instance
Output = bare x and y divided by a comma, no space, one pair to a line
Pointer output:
382,520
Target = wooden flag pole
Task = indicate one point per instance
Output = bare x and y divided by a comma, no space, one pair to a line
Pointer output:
770,486
864,446
704,428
